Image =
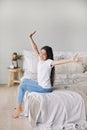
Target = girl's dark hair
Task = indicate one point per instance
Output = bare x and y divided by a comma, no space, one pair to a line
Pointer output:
49,53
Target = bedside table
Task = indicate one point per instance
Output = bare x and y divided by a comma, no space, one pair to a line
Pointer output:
14,76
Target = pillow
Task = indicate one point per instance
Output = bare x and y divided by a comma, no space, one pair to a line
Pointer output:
66,68
29,64
69,73
30,61
62,55
70,68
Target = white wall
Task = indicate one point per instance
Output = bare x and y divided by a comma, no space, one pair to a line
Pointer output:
61,24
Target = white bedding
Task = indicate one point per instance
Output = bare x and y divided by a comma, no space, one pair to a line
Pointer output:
51,111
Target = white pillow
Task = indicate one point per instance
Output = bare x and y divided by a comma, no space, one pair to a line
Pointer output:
70,68
30,61
29,75
30,65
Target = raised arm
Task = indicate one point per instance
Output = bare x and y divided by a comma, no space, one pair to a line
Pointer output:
72,59
33,44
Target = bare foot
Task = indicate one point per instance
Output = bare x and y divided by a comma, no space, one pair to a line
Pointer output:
16,114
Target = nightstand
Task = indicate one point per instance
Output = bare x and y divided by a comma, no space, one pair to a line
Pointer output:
14,76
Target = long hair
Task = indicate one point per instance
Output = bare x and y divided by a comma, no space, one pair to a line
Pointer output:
49,53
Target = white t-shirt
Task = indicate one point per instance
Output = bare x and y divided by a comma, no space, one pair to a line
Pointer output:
43,73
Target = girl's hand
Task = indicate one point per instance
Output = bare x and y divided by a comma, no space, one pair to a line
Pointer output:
32,34
75,58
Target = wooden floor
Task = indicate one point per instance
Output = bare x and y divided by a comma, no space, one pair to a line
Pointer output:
7,104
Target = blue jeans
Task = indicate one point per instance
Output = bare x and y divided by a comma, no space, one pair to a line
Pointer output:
31,86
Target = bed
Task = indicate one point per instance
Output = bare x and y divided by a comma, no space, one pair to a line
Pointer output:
55,110
66,106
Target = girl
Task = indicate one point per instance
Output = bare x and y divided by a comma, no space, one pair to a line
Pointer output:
45,74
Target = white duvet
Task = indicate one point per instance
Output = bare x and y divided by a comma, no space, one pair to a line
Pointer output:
52,111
